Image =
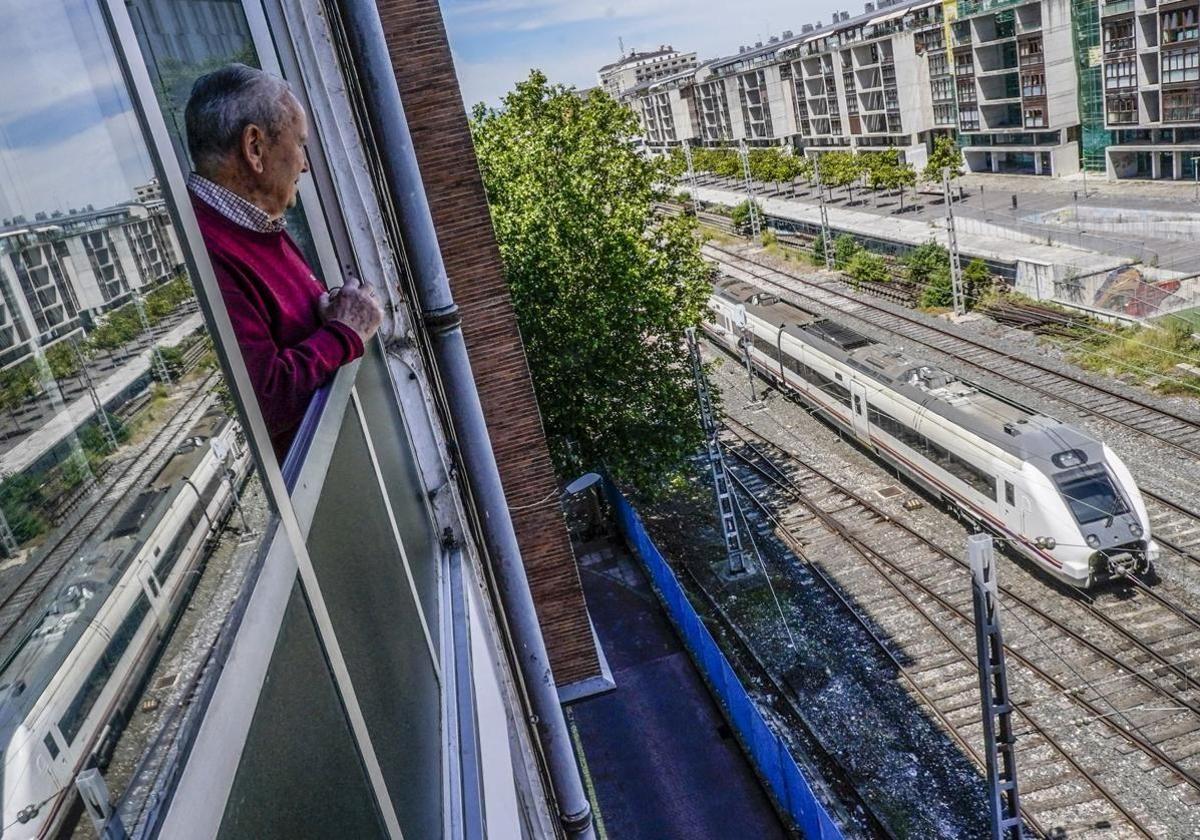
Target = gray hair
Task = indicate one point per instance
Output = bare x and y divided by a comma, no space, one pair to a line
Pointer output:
224,102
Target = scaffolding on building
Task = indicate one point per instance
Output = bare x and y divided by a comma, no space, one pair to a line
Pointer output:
1093,137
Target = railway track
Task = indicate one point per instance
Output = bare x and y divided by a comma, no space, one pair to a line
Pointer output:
1120,691
25,594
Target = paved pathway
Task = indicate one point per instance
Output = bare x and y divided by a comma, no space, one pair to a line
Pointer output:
659,756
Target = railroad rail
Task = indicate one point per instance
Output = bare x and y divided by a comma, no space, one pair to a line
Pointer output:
25,594
930,580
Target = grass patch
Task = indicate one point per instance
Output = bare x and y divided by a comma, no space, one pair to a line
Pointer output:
1144,354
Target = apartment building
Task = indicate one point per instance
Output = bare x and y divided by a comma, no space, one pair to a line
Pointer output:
1015,86
62,270
1150,56
638,67
862,82
1010,79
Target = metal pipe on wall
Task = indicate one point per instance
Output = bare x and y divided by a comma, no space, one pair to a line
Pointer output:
389,129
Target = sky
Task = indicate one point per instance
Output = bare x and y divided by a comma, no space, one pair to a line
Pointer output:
70,138
496,42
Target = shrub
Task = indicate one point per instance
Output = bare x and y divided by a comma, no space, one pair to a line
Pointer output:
844,249
865,267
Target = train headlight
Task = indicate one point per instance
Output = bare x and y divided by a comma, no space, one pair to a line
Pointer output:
1092,540
1047,543
1136,529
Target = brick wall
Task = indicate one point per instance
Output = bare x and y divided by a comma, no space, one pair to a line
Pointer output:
433,104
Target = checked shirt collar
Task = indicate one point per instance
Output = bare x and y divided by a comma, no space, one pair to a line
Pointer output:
232,206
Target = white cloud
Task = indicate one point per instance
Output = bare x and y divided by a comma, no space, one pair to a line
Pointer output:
571,54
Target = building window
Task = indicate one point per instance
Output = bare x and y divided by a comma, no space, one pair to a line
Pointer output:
1120,74
1122,109
1118,36
1179,25
1181,65
1030,52
1035,118
938,65
966,90
943,114
963,64
1033,84
968,119
942,91
1181,106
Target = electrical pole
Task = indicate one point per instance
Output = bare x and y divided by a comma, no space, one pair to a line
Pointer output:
956,284
156,358
1004,807
105,427
716,463
826,245
8,542
755,223
691,174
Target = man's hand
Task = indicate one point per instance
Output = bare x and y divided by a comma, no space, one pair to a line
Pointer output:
353,304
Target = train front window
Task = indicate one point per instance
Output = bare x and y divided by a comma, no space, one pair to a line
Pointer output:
1093,498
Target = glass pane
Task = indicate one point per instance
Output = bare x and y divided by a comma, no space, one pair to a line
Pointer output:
182,40
287,346
378,619
123,463
300,775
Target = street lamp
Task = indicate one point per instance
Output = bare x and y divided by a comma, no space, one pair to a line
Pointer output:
1196,175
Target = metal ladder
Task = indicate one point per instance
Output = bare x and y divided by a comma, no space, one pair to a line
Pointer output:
999,740
716,463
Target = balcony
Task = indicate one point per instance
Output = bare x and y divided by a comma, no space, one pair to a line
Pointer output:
1118,7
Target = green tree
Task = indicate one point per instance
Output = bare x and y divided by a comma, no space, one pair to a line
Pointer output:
976,281
62,360
922,262
903,177
945,154
865,267
841,169
844,249
739,217
939,289
603,287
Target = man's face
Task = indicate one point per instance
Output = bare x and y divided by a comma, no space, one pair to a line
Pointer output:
284,161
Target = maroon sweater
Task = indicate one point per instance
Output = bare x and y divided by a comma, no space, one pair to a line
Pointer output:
271,295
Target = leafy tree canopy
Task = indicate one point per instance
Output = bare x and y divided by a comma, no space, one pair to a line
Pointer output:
603,288
945,154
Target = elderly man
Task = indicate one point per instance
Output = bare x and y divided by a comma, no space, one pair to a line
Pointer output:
246,134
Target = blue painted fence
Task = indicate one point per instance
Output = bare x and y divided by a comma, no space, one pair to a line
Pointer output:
768,753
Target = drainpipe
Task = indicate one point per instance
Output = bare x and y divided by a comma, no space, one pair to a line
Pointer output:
389,129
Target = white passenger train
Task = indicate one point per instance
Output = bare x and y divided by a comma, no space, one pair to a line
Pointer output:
1055,494
66,691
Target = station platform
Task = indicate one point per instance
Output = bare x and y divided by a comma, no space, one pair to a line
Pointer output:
657,756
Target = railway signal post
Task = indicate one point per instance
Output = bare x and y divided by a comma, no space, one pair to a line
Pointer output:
755,222
826,244
1004,805
720,475
956,282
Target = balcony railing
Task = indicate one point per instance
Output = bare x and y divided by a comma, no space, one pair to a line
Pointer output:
1117,7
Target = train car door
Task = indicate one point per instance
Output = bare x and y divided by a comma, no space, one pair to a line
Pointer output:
858,410
53,758
154,594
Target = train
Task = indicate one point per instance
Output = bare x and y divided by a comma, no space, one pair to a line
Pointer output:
68,687
1047,489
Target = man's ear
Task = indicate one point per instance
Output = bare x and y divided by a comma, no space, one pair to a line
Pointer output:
254,141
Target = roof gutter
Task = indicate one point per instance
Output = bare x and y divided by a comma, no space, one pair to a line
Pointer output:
389,130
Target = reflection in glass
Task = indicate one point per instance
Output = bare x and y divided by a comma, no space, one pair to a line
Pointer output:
121,464
181,41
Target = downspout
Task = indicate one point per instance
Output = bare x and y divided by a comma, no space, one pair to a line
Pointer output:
389,129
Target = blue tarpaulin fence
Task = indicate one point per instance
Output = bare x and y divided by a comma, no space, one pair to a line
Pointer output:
767,751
